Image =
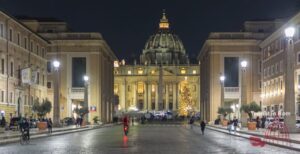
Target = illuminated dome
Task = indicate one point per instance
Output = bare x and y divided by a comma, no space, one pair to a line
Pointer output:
164,47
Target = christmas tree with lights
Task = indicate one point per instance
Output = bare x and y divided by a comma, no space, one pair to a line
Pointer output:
186,102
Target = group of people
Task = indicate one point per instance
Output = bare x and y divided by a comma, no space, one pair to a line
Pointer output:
79,121
260,123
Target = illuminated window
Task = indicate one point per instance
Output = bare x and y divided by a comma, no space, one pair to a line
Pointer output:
140,87
194,71
152,72
129,72
153,88
183,71
140,71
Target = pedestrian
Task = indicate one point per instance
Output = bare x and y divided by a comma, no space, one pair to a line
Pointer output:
3,122
202,125
49,123
192,120
235,123
229,126
257,122
263,122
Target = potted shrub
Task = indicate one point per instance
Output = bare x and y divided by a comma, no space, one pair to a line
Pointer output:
96,119
82,112
249,109
41,109
224,111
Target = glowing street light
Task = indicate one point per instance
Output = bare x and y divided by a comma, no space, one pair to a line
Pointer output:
289,32
244,64
86,78
56,64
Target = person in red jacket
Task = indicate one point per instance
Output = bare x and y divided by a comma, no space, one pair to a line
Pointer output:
125,121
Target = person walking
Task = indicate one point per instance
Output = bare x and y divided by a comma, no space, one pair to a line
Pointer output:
235,123
202,125
263,122
49,124
257,123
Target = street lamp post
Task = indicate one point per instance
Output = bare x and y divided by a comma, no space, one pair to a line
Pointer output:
56,109
243,90
222,79
86,84
289,95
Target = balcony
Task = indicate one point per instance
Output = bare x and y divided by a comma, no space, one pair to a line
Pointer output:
77,93
232,92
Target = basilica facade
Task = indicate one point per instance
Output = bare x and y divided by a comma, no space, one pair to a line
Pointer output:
156,82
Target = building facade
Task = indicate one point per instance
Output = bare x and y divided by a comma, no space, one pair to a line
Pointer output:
222,54
156,82
79,54
274,58
21,49
28,47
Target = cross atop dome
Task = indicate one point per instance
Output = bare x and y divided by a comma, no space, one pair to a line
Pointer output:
164,23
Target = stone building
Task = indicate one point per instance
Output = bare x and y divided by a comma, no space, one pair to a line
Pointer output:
21,49
79,54
155,83
274,61
222,54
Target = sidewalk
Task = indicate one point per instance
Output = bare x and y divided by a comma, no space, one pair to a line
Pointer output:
293,143
14,136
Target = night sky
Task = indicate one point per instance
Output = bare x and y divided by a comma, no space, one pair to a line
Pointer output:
127,24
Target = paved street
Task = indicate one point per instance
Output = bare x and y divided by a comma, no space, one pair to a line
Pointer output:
142,139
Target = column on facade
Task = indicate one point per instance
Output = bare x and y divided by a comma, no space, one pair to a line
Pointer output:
122,95
167,97
156,97
149,96
134,92
177,94
145,95
174,96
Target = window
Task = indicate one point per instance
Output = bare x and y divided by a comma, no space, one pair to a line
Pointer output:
37,77
2,66
31,46
78,71
49,85
18,39
281,66
25,42
11,97
259,66
37,50
49,67
259,84
10,35
2,96
276,68
43,52
11,69
25,99
1,30
19,72
43,82
298,57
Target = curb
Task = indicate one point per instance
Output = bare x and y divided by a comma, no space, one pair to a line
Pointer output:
270,143
259,135
55,133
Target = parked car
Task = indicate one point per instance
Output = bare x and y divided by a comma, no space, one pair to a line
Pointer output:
14,123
